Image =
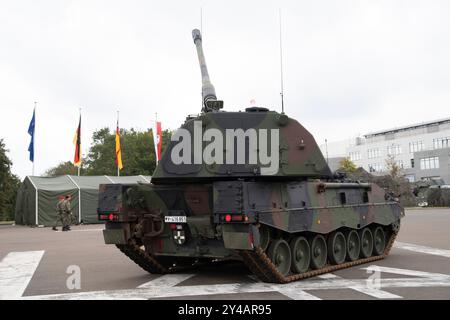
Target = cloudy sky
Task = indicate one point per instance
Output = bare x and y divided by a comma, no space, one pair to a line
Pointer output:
350,67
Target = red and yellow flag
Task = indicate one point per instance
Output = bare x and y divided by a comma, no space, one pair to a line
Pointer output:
77,143
118,149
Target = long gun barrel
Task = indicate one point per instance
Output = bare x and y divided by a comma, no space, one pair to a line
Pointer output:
210,102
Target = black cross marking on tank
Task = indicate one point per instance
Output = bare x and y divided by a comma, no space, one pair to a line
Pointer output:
179,237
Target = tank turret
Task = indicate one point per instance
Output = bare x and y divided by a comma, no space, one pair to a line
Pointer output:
255,144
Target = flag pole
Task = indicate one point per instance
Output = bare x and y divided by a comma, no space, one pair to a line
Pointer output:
34,137
81,154
155,133
118,169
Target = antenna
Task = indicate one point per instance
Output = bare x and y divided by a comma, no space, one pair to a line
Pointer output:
281,66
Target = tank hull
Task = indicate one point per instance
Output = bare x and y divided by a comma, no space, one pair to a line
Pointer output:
177,226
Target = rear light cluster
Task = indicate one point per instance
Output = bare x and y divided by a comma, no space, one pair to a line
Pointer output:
110,217
174,226
234,218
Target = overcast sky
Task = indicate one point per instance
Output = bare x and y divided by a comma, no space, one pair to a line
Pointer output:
350,67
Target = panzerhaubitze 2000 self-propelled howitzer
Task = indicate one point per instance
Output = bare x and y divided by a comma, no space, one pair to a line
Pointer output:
250,186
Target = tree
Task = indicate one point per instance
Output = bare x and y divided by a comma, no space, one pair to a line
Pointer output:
394,170
9,184
138,152
61,169
346,165
396,183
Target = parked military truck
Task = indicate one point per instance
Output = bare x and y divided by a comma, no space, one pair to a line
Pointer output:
250,186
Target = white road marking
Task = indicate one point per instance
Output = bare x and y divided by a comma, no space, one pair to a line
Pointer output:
327,276
297,294
294,290
373,292
413,273
168,280
376,293
16,271
422,249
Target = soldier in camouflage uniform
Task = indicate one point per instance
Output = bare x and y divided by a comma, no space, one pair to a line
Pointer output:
59,214
67,213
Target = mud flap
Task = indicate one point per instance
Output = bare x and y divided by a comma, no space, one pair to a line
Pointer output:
240,236
114,236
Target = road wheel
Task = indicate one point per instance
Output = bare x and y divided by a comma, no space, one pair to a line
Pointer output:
353,245
318,251
280,254
379,241
301,254
337,247
366,242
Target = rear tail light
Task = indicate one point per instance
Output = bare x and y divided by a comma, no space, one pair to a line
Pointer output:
110,217
234,218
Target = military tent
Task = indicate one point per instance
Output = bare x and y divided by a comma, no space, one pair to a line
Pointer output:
37,197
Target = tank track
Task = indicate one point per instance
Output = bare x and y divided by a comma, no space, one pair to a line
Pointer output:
261,265
147,262
151,263
257,261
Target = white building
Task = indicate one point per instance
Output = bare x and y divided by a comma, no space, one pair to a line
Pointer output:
422,150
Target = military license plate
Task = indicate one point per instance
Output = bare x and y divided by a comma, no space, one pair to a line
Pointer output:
175,219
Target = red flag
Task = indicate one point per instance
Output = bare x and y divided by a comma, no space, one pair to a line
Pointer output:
118,148
77,143
157,139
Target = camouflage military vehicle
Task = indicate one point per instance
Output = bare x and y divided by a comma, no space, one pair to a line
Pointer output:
250,186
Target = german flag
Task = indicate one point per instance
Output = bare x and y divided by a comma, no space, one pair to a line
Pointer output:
118,149
77,143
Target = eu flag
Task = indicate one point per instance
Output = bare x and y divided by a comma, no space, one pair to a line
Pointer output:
31,133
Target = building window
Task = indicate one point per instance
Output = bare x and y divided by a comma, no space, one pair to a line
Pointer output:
373,153
415,146
410,177
429,163
394,149
355,155
440,143
375,167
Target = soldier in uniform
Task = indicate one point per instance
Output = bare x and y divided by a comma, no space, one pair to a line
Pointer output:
67,212
60,214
